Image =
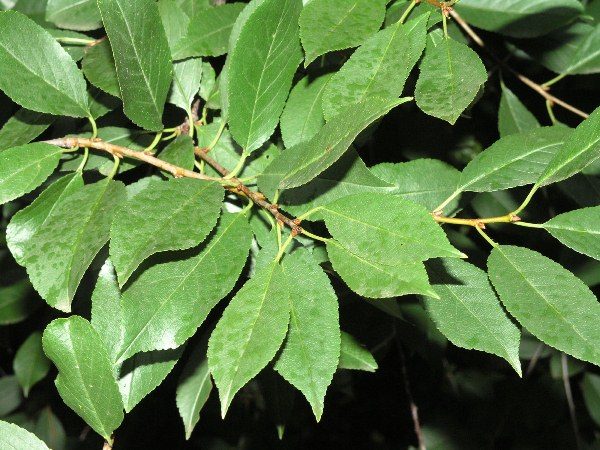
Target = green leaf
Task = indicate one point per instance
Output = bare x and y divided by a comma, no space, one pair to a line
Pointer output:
513,116
347,176
216,24
40,77
427,182
175,21
169,301
582,149
50,430
183,212
26,223
468,312
10,394
312,349
386,229
24,168
99,68
17,302
194,388
261,66
328,25
450,76
142,58
107,317
250,332
591,395
85,379
56,256
209,86
578,230
303,114
23,127
300,164
187,76
375,280
548,300
180,152
519,18
81,15
354,356
17,438
514,160
378,68
143,373
30,364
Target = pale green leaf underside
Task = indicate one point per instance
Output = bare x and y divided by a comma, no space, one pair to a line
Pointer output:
579,230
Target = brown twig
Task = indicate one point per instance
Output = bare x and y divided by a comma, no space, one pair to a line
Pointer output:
527,81
233,184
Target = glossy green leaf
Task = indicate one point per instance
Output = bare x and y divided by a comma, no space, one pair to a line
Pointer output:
427,182
169,301
216,24
513,116
354,356
386,229
23,127
514,160
40,77
85,379
548,300
194,388
16,438
347,176
99,68
300,164
468,312
24,168
581,150
450,76
55,256
180,152
312,349
187,76
143,373
26,223
378,68
250,332
107,317
175,21
303,116
81,15
328,25
261,66
30,364
142,58
376,280
578,230
519,18
183,212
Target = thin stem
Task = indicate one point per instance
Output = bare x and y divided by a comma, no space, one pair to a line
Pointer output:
554,80
315,237
526,201
279,235
115,167
529,225
284,247
217,137
191,123
173,135
239,166
309,213
445,25
75,41
528,82
94,127
154,143
569,396
549,108
408,10
486,237
445,203
247,208
86,155
479,222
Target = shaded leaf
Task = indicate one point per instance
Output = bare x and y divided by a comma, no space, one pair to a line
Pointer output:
85,380
23,127
180,152
50,430
354,356
30,364
99,68
81,15
513,116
